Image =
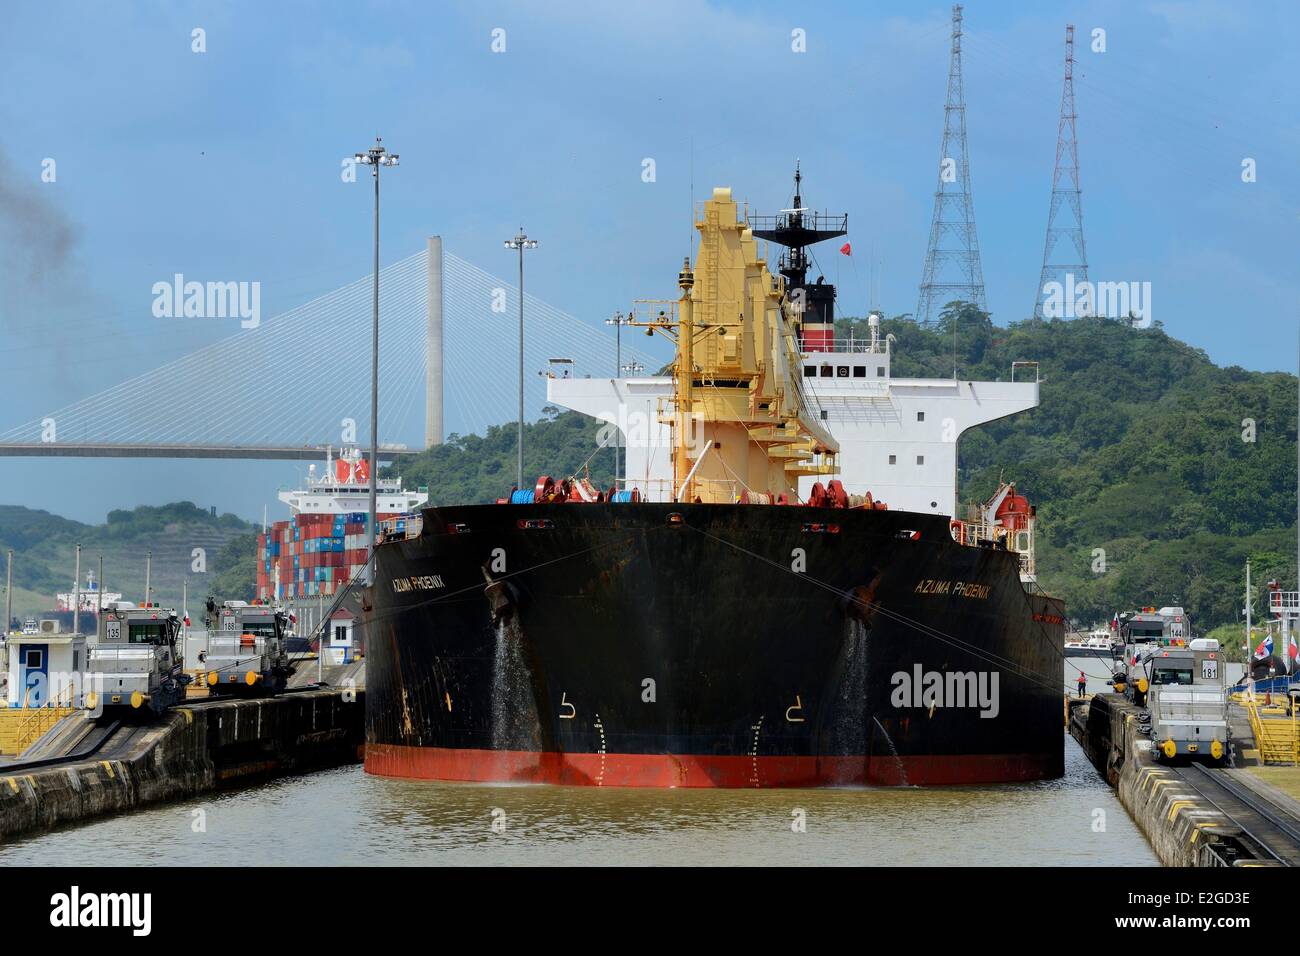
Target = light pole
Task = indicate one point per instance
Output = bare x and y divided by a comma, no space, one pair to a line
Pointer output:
618,321
375,157
633,369
9,592
76,596
521,242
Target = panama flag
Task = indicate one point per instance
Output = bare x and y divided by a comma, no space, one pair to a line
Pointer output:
1265,649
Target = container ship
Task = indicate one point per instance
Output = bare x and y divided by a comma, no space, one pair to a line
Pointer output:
322,547
777,593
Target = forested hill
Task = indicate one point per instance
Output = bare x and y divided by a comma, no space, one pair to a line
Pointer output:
1142,459
214,552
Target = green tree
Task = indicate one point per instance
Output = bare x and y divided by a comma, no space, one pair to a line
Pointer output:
236,570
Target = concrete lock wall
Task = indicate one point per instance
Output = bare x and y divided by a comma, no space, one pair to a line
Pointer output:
188,751
1178,822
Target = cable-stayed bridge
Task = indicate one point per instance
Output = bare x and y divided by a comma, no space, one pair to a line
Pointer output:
300,380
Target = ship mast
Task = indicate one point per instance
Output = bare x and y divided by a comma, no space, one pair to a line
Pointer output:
685,386
797,229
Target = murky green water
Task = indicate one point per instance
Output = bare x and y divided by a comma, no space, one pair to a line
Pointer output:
347,817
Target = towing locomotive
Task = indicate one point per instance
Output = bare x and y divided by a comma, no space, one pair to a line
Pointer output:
134,662
247,649
1188,701
1180,680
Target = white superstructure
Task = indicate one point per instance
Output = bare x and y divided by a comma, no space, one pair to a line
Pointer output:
898,436
89,596
345,487
1096,640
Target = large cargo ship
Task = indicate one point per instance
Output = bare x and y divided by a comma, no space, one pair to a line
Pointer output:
322,546
742,608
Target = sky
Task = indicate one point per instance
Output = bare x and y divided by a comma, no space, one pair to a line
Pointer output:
225,163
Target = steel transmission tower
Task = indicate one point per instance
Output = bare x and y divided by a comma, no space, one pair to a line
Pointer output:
1065,193
952,259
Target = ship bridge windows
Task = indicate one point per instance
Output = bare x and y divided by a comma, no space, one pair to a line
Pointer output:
920,416
826,371
810,371
880,371
859,371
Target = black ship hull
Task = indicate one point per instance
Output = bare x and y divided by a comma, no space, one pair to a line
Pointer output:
707,646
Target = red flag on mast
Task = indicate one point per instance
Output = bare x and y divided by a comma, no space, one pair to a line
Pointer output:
846,249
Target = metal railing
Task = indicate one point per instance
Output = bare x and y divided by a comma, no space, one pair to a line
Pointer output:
1015,366
407,526
234,645
807,219
1019,541
1278,740
1284,600
119,653
854,345
43,716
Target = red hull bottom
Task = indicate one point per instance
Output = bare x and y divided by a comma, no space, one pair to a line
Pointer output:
700,770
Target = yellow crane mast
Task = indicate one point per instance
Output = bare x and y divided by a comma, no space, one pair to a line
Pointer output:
741,429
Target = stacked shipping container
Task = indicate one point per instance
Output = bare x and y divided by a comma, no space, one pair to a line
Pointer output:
311,554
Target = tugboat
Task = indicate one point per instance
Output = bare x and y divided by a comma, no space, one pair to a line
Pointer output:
776,594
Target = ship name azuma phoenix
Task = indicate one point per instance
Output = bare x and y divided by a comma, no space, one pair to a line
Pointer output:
732,611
